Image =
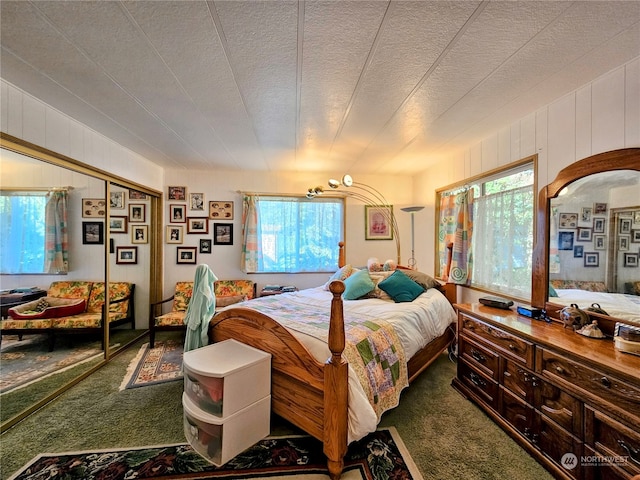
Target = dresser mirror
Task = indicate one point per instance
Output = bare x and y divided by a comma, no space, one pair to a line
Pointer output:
588,239
93,248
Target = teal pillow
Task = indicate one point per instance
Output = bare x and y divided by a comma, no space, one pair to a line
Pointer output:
357,285
552,291
400,287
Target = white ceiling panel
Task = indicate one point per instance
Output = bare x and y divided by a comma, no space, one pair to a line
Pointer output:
369,86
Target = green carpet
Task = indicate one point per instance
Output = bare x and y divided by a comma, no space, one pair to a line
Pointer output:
446,435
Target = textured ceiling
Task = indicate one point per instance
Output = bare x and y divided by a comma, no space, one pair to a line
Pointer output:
364,86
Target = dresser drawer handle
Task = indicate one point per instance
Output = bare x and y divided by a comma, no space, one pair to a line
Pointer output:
477,381
478,356
606,382
512,346
560,370
634,453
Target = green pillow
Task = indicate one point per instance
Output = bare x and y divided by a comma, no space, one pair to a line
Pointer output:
552,291
357,285
400,287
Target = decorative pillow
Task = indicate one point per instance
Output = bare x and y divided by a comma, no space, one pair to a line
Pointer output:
226,301
400,287
421,279
55,308
342,274
377,277
357,285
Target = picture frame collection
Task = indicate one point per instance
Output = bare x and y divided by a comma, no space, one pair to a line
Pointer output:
128,216
191,214
585,233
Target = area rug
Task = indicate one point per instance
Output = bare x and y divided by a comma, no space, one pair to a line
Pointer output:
29,360
381,455
151,366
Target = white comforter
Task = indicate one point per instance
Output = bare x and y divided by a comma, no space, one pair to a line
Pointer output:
618,305
416,323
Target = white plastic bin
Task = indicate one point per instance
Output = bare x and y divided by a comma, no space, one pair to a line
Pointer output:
226,377
219,440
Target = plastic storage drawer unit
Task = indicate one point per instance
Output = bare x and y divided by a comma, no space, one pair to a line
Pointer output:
220,440
226,377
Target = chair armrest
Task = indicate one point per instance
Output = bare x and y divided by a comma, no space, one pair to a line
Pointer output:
162,301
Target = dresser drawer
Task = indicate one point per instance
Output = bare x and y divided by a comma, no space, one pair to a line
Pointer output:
517,348
612,439
484,387
518,413
518,380
622,396
479,356
555,442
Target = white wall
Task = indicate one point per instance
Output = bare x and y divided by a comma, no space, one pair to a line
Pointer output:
600,116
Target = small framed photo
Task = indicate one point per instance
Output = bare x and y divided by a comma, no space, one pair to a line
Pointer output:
139,234
94,207
636,217
196,201
223,234
623,242
126,255
568,220
565,240
578,251
174,234
625,226
92,233
198,225
599,224
118,224
586,216
599,242
635,236
136,195
117,201
221,210
584,234
377,222
177,213
186,255
630,259
137,213
177,193
205,245
591,259
599,208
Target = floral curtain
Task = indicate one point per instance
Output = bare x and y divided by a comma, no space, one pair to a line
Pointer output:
455,232
250,246
56,236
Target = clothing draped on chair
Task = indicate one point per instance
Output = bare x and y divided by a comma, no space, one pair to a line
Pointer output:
201,309
56,236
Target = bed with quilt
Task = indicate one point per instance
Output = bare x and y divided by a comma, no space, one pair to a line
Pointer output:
343,352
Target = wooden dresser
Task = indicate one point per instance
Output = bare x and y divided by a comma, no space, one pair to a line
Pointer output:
572,402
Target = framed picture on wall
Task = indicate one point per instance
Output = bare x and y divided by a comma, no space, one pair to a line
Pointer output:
599,242
591,259
94,207
586,216
584,234
186,255
177,213
223,234
92,233
598,224
630,259
635,236
127,255
568,220
565,240
177,193
174,234
118,224
117,201
578,251
599,208
377,222
625,226
140,234
136,195
623,242
198,225
205,245
196,201
221,210
137,212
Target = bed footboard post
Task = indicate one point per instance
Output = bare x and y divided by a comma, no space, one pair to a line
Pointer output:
336,388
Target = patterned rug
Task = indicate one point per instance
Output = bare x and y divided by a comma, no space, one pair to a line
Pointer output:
381,455
29,360
151,366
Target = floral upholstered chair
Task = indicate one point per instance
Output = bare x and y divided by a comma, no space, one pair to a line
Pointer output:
227,293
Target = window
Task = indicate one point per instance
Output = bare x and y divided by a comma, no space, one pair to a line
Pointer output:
502,238
296,234
22,223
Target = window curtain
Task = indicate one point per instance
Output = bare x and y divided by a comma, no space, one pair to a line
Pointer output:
505,240
456,229
56,236
250,246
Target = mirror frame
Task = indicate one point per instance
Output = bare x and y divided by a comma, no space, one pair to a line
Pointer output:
623,159
23,147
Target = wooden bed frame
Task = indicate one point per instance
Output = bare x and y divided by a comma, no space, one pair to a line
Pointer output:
310,394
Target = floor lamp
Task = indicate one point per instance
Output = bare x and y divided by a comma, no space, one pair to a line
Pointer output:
411,263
